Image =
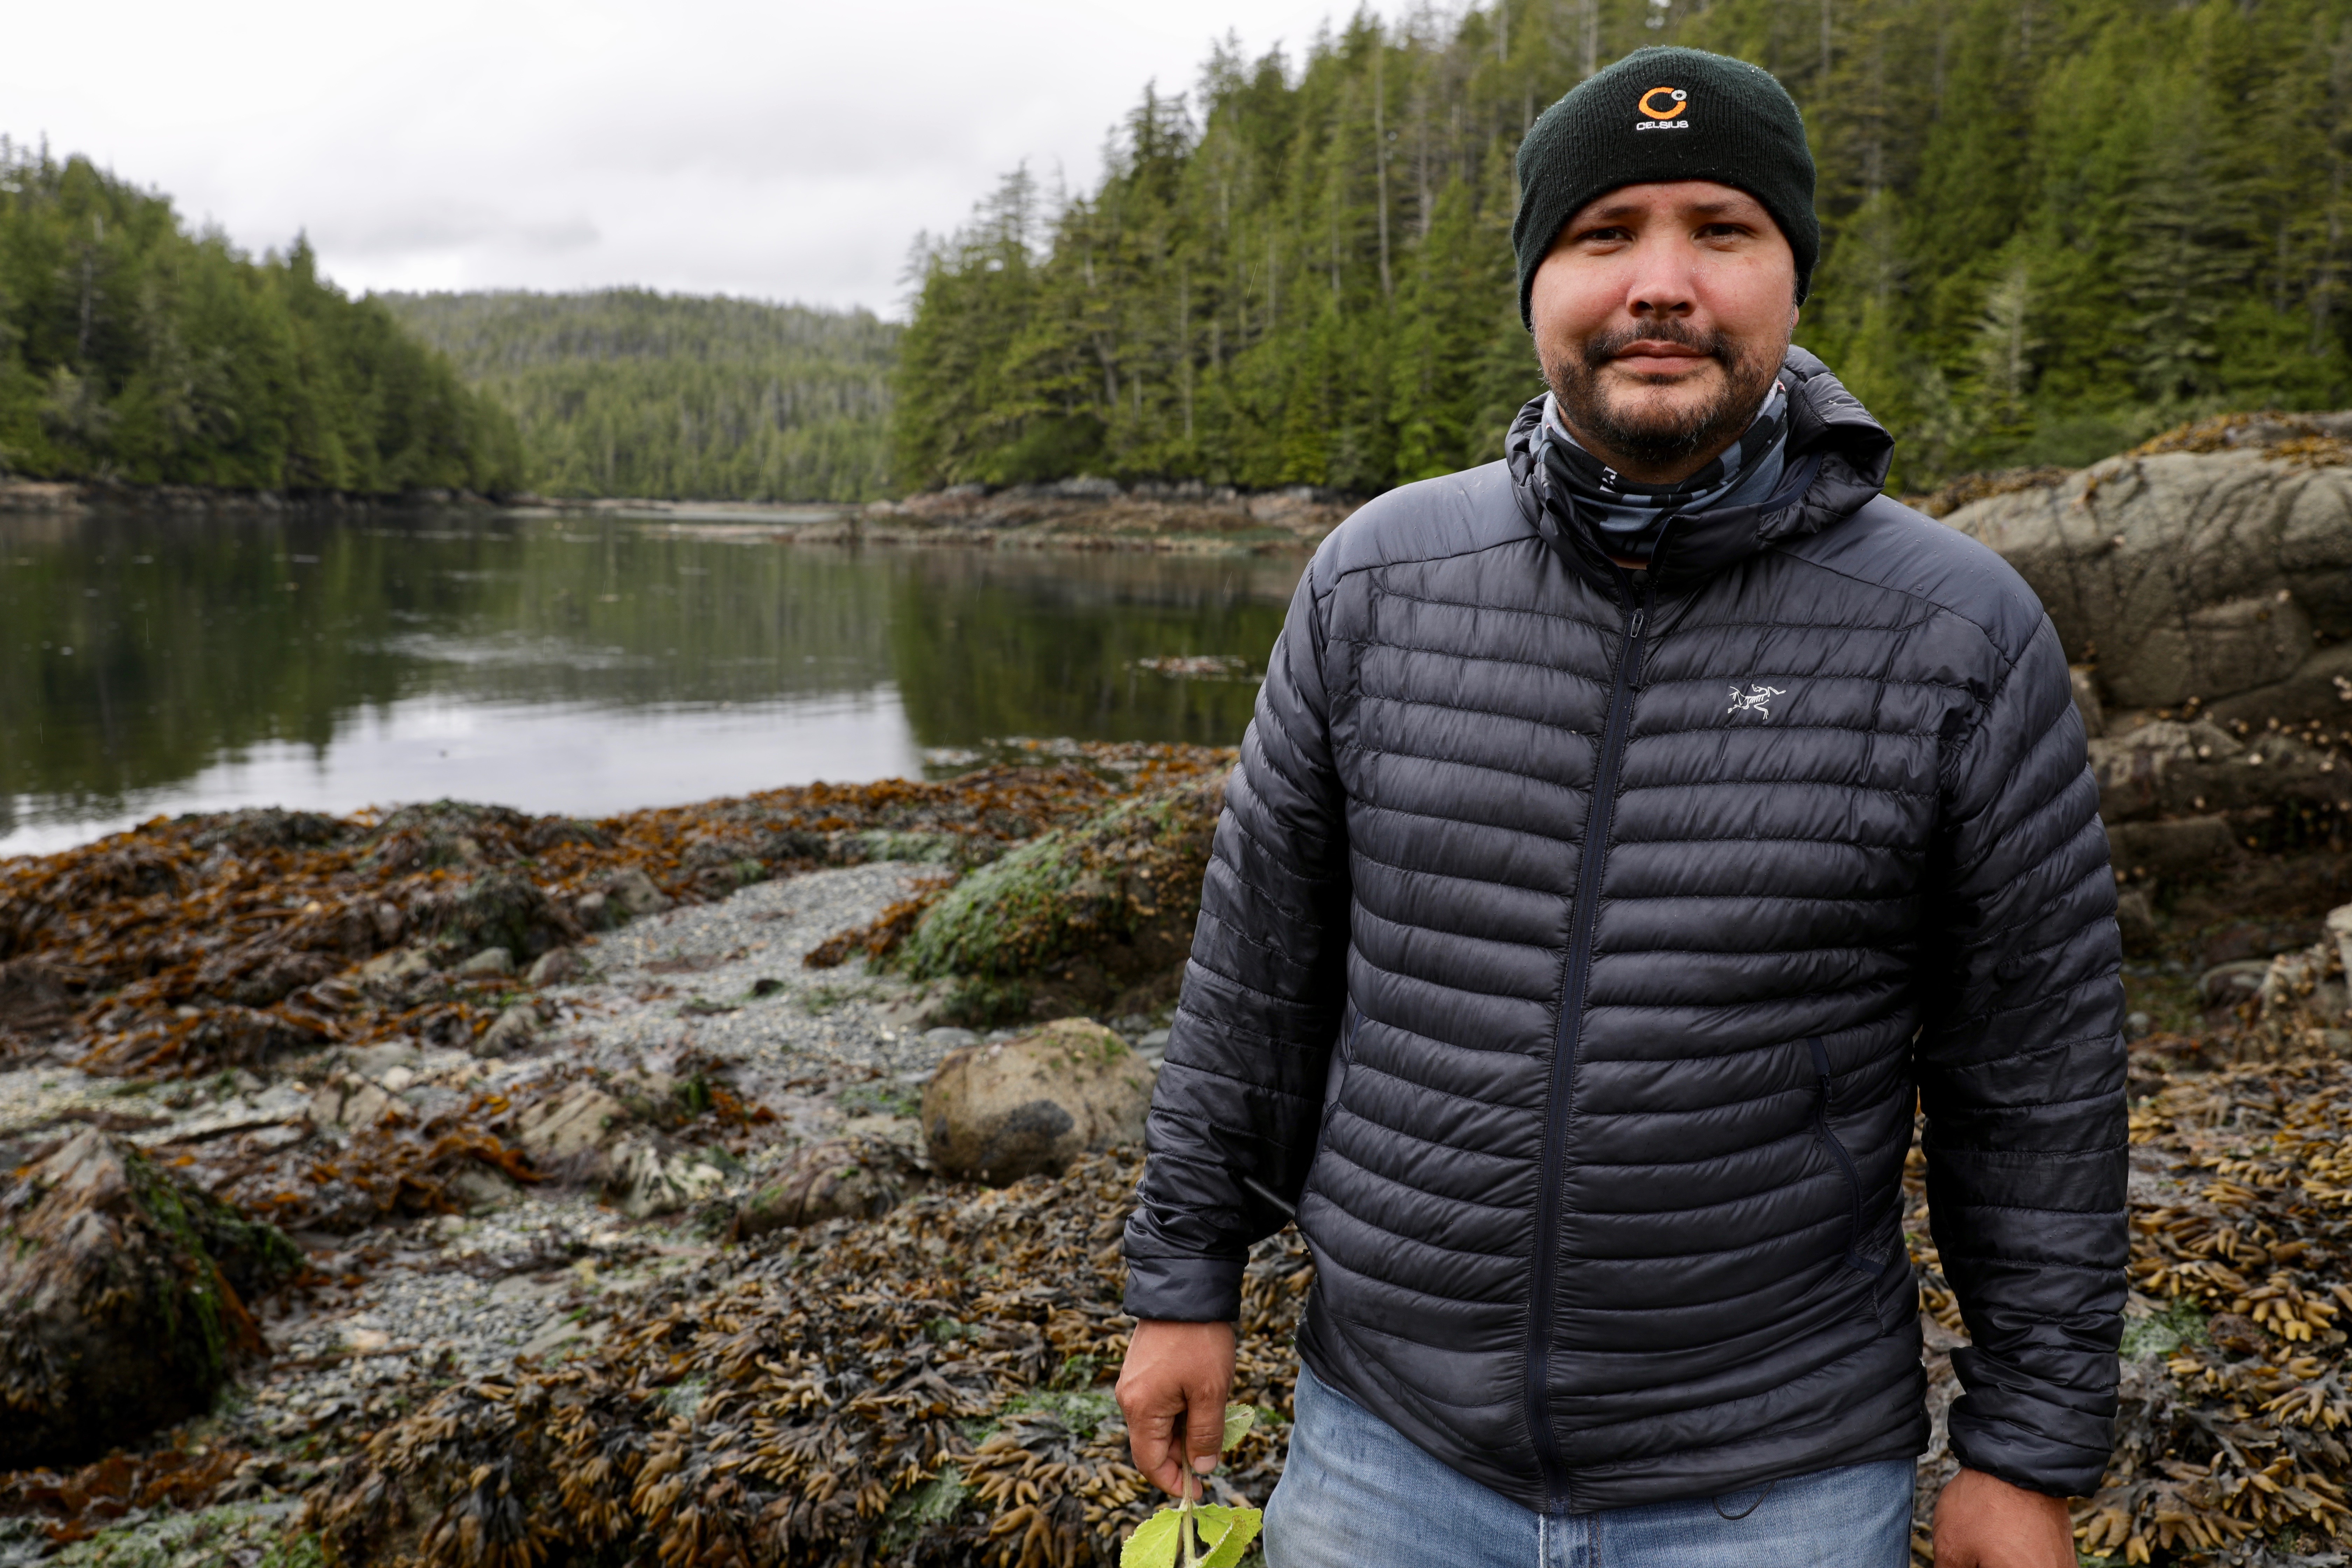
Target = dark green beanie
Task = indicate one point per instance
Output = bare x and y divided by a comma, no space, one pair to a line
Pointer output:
1663,114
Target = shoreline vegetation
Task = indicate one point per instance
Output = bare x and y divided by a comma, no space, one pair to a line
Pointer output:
625,392
1087,512
135,353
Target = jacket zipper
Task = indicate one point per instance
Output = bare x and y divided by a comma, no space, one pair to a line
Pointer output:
1853,1257
1563,1060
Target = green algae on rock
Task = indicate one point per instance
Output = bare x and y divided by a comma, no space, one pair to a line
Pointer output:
121,1299
1077,918
227,1535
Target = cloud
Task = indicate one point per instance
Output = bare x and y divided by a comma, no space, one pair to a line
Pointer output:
784,150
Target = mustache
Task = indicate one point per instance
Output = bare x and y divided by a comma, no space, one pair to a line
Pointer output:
1599,351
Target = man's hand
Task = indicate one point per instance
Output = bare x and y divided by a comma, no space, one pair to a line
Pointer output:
1982,1521
1172,1388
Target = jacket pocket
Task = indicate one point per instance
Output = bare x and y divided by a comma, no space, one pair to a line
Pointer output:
1854,1254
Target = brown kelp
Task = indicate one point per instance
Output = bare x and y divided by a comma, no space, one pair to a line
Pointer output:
927,1387
189,946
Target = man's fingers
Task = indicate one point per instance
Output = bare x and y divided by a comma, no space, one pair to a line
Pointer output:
1205,1428
1166,1466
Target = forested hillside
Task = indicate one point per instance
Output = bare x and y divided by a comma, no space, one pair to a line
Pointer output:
2051,227
131,349
631,393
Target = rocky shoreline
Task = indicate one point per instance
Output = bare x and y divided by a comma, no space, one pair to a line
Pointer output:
1072,514
496,1078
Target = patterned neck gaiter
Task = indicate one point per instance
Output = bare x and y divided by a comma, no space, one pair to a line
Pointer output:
1627,516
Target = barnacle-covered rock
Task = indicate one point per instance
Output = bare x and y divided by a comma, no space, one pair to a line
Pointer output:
843,1178
1080,886
654,1174
121,1299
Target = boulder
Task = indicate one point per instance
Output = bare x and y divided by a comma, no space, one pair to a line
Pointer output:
635,893
356,1102
400,967
490,963
491,909
555,967
2205,574
1030,1106
2084,682
2339,931
845,1178
572,1134
121,1300
2227,984
2135,922
2182,846
480,1189
514,1031
34,999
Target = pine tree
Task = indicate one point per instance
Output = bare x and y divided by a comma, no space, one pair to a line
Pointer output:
2048,226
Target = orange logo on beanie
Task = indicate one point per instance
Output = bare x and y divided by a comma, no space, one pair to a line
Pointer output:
1664,108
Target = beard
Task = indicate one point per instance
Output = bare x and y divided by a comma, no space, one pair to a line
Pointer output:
1638,430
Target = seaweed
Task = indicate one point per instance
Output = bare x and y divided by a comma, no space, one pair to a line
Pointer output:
76,1504
185,946
832,1418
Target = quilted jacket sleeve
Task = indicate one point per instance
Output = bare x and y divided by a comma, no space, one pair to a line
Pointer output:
1239,1094
2020,1073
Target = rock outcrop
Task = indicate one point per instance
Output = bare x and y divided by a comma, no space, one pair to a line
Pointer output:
1030,1106
2203,585
121,1299
2215,563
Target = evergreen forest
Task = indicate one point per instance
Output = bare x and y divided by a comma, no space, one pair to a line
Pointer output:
2051,228
630,392
133,349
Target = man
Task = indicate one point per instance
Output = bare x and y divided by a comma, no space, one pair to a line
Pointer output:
1630,834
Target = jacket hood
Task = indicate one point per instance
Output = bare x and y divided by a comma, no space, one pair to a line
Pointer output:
1837,460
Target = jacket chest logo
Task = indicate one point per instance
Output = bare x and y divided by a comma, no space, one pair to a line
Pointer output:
1756,700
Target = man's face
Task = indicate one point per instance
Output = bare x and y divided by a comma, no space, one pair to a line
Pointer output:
1661,316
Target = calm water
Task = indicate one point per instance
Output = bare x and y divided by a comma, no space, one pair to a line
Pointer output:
158,665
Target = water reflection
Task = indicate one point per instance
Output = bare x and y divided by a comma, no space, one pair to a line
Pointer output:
156,663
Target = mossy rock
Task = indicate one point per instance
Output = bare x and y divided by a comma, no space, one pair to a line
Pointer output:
1073,890
121,1300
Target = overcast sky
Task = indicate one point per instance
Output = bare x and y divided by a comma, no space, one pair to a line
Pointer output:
787,150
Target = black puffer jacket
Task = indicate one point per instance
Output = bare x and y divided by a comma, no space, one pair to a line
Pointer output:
1602,1177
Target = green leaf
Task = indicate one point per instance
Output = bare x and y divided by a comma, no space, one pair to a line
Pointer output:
1227,1530
1153,1544
1239,1419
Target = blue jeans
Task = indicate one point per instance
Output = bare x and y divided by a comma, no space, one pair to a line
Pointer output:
1355,1494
